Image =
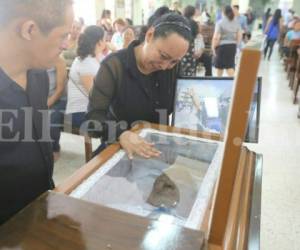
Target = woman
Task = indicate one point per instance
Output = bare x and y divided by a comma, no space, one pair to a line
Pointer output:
128,36
188,63
266,18
227,36
117,38
138,84
272,31
70,53
84,68
196,54
106,23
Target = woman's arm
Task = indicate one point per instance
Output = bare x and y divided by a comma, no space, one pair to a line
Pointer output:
87,82
268,25
215,42
239,37
100,98
61,76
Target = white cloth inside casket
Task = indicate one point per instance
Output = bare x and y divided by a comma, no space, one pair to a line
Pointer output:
136,183
126,185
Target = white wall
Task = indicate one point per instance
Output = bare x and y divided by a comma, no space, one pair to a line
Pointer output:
85,9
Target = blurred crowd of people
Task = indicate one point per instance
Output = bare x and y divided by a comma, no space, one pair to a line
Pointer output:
216,37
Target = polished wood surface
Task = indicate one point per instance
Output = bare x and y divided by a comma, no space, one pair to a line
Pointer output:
55,221
242,97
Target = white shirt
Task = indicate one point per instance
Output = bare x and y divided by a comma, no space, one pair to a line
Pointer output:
77,94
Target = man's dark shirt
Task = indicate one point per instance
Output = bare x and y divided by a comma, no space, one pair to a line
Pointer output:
133,96
26,164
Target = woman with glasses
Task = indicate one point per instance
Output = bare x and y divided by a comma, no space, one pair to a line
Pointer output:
138,84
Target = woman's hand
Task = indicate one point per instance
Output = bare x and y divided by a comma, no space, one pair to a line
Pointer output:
134,144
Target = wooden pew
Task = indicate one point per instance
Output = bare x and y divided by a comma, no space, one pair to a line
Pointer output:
296,82
292,61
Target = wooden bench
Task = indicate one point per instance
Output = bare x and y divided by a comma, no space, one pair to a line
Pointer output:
296,82
291,61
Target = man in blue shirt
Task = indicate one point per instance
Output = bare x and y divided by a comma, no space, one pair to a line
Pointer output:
32,35
242,18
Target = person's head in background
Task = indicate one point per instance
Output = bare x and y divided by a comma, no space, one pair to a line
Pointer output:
175,5
76,30
277,16
228,12
91,42
128,36
236,9
166,42
128,21
297,26
36,31
157,14
106,14
119,25
292,12
189,12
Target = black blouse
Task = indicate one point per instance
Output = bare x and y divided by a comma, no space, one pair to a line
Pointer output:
123,94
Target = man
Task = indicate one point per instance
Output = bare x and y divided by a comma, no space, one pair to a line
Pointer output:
242,18
33,33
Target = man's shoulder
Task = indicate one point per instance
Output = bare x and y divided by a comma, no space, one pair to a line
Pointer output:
4,80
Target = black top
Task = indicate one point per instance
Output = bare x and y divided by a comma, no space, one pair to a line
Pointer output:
122,93
26,165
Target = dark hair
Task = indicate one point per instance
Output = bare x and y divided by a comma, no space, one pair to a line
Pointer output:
129,21
105,13
189,11
157,14
171,23
276,16
48,14
88,39
236,6
229,12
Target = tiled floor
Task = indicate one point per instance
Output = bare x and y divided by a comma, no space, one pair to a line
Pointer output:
280,146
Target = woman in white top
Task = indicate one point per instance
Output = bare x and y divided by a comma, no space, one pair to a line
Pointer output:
117,38
83,70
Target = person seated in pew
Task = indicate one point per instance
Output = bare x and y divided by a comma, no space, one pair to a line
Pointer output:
138,84
291,35
128,36
70,53
91,45
117,38
57,101
33,34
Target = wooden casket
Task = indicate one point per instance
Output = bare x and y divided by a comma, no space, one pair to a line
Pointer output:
209,197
